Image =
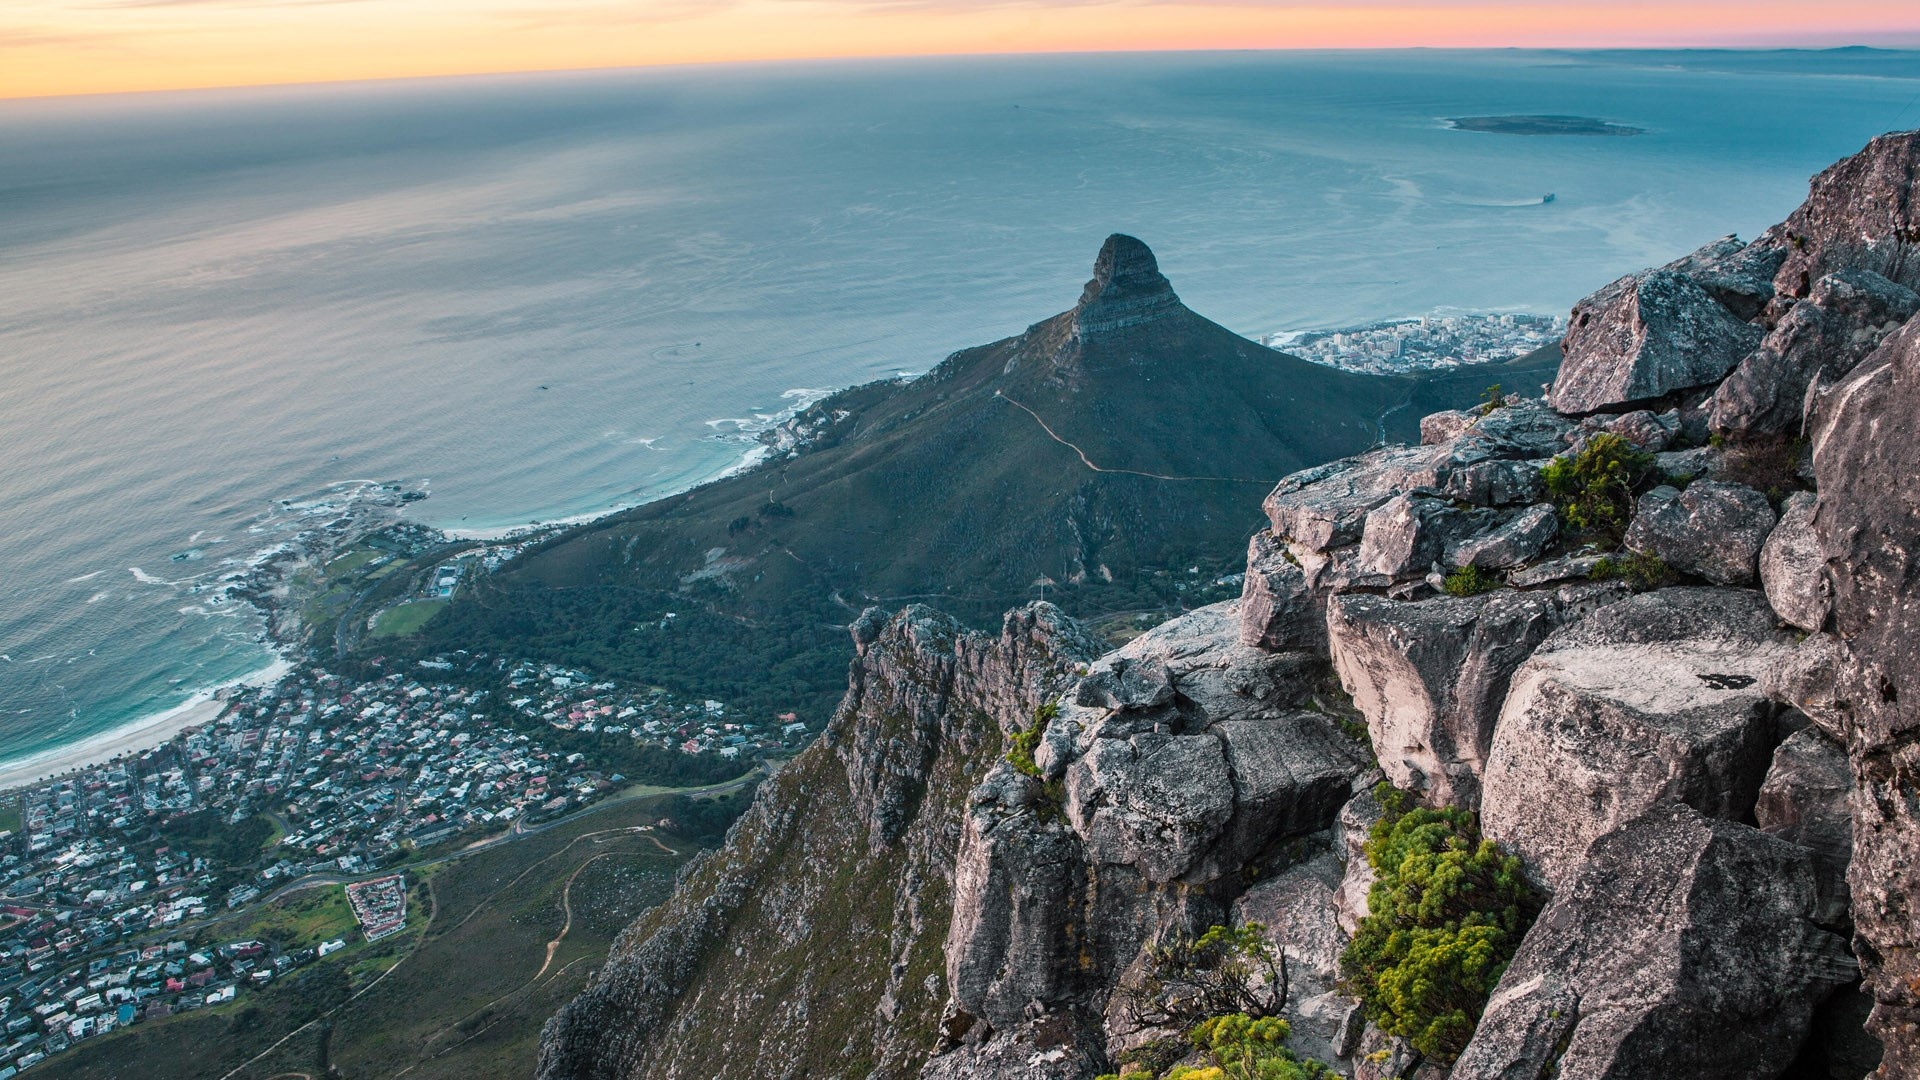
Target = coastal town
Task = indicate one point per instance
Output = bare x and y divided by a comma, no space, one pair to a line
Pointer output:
1428,343
127,889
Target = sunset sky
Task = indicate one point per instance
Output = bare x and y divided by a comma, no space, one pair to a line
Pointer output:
52,47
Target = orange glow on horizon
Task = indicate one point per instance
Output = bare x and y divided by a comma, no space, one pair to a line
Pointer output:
58,47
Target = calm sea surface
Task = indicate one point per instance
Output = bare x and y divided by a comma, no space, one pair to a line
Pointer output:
539,297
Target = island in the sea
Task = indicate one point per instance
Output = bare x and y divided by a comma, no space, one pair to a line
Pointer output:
1541,125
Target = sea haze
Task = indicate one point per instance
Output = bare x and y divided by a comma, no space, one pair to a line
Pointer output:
539,297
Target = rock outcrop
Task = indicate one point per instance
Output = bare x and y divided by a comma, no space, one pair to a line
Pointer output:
1861,213
1792,571
1430,677
1645,337
1738,275
1127,289
1820,339
1183,759
1867,455
835,881
1805,799
1683,946
1712,530
1277,608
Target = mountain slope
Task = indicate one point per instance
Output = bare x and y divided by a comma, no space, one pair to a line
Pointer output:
1124,436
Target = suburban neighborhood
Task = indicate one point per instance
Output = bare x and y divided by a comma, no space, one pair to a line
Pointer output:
118,882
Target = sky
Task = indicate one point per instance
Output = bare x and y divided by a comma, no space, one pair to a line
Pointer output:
58,47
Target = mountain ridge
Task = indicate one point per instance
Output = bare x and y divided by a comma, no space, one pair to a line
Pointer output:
1078,460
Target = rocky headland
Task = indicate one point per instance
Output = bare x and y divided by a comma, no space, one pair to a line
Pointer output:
1655,638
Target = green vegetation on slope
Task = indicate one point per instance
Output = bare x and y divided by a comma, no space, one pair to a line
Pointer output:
1593,489
403,619
1126,479
1223,989
205,833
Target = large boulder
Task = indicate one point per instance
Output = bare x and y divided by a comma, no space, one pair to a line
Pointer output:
1820,339
1278,609
1793,570
1712,530
1649,700
1017,879
1207,759
1861,213
1447,425
1407,534
1682,947
1486,460
1808,679
1522,428
1866,440
1194,807
1644,337
1326,506
1644,428
1430,677
1805,799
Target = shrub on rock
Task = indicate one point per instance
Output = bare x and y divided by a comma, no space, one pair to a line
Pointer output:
1594,488
1446,913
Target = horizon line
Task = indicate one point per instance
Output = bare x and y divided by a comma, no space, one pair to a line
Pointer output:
768,62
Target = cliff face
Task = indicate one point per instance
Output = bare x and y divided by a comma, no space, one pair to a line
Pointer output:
810,945
1687,707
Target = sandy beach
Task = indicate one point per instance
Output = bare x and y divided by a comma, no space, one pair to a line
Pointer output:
141,735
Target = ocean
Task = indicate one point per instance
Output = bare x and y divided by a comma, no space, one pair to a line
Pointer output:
223,313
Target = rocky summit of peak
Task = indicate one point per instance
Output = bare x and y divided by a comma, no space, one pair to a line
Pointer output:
1127,289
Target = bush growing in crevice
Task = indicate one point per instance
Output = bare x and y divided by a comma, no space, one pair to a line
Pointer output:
1642,573
1768,465
1593,490
1025,742
1470,581
1223,990
1444,917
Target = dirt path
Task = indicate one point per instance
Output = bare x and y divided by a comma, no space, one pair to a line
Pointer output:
434,912
553,947
566,908
1088,462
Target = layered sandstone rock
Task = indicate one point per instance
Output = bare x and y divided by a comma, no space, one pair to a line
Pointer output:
1867,455
1651,700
